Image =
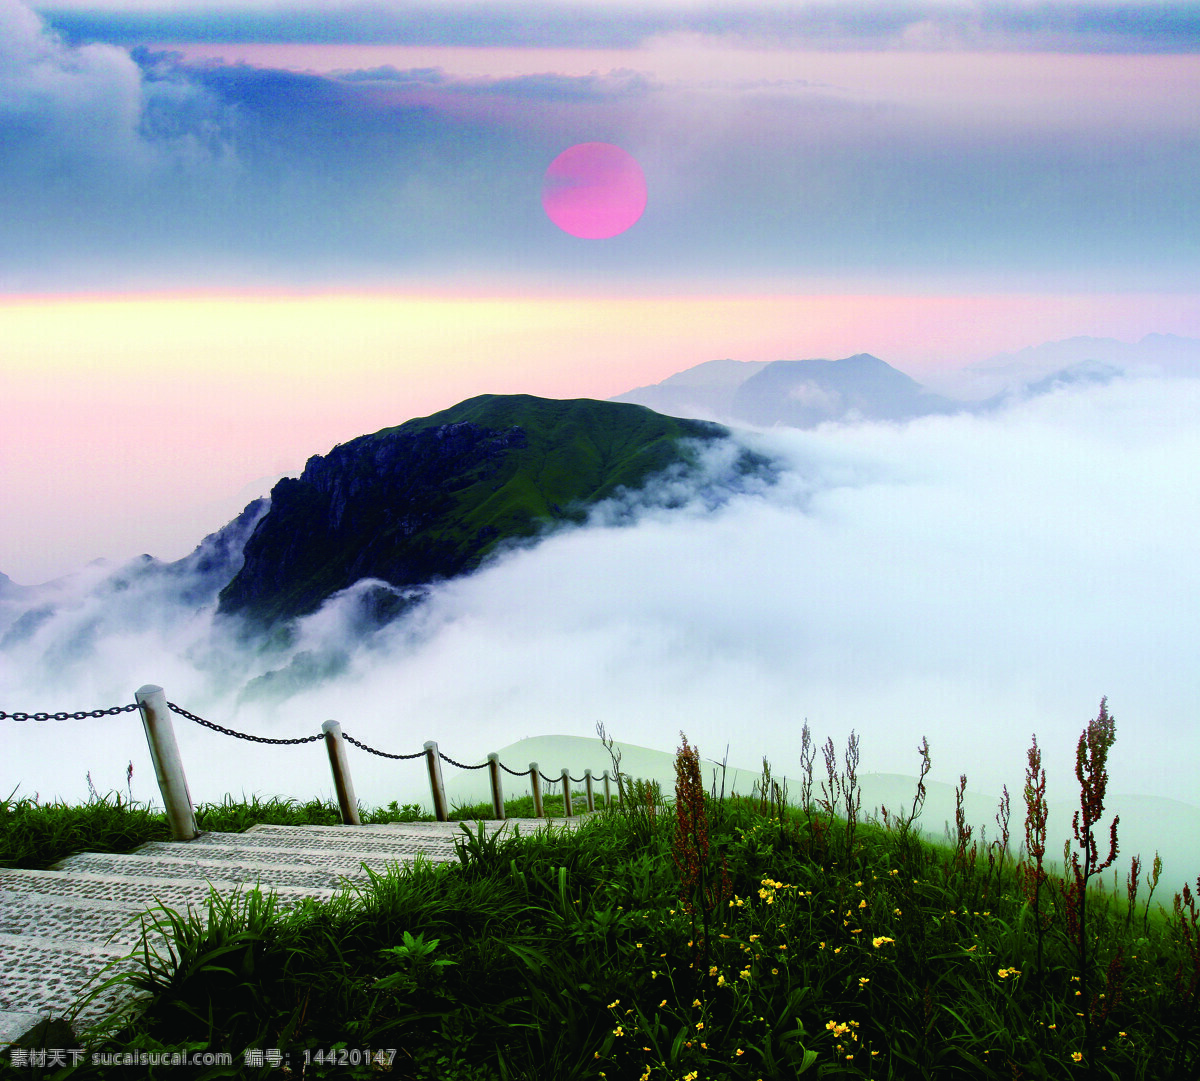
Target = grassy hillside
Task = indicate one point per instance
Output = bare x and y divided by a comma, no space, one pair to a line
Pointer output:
700,939
577,453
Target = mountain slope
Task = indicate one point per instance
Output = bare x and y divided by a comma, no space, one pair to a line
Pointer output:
433,497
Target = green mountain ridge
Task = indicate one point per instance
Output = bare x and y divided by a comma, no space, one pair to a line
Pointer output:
436,496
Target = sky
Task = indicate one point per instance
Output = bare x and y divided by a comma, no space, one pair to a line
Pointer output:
234,234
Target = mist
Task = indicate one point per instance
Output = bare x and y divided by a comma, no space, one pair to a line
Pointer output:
970,579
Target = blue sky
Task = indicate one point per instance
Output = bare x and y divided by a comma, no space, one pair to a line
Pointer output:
993,146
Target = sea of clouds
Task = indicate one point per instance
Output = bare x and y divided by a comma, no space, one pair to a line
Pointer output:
972,579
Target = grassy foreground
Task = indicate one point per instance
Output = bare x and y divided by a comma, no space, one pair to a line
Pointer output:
706,938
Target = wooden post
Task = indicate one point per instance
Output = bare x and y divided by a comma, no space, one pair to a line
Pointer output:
436,786
591,795
566,783
168,767
607,793
497,788
342,783
535,783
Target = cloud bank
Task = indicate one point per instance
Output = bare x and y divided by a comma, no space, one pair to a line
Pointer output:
971,579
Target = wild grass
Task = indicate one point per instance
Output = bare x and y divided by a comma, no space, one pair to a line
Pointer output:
708,938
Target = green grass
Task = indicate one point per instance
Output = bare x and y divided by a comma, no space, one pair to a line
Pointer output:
37,835
708,939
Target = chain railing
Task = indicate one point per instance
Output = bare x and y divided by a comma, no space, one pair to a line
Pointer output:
78,715
156,710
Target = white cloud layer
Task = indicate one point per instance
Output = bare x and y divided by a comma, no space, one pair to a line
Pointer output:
972,579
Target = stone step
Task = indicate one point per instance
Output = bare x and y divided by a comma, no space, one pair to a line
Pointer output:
62,929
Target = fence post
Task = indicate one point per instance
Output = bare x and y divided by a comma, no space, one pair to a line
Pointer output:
342,783
607,793
566,783
591,795
497,789
434,760
168,767
535,783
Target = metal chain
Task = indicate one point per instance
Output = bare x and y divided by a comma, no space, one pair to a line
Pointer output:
114,710
239,735
382,754
447,758
77,716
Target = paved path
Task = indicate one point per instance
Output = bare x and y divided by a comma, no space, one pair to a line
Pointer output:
60,928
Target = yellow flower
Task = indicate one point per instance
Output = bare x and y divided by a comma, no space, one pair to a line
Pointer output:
615,1002
618,1031
1077,1056
877,942
662,1004
863,981
696,1002
699,1026
897,912
721,981
713,971
739,1052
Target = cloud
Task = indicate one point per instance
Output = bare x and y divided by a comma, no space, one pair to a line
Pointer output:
971,579
97,150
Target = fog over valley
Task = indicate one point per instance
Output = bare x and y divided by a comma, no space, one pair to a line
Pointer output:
973,578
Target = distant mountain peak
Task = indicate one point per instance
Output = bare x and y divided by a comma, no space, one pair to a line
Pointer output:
795,393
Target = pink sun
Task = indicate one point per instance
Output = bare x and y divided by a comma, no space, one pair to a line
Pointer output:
594,190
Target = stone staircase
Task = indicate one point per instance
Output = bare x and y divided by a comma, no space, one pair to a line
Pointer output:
60,928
